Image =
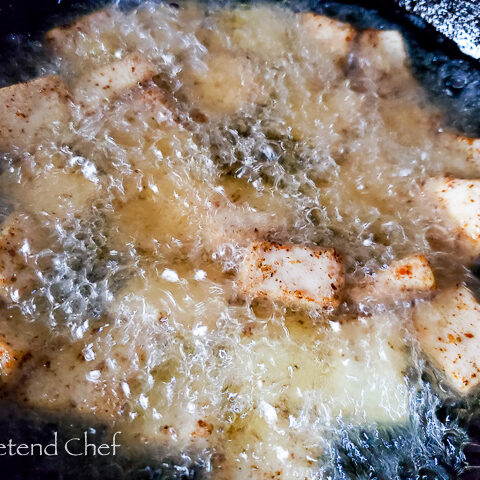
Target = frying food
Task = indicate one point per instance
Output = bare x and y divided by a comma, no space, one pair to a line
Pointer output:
231,232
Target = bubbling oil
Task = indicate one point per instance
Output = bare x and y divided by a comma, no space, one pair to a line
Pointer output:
136,300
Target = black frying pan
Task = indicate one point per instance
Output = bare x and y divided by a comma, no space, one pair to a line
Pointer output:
453,81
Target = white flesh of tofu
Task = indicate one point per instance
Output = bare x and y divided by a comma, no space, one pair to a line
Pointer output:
224,85
176,300
60,37
59,194
149,119
458,202
32,111
76,379
89,41
334,36
369,363
16,275
154,220
309,379
100,86
383,60
259,30
402,280
55,187
465,151
239,216
448,329
238,227
293,274
386,49
41,372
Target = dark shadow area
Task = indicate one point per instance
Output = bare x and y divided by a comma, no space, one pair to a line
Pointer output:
60,463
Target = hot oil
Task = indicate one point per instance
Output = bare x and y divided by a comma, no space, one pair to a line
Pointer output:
249,122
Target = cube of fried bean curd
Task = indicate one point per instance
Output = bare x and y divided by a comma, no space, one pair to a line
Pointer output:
382,59
85,39
333,35
464,151
295,275
403,279
227,85
16,276
31,111
458,203
448,329
101,85
58,36
8,359
78,381
385,49
238,226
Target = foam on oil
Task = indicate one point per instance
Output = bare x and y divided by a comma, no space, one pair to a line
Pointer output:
136,309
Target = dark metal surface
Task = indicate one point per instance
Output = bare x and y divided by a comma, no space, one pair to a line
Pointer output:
458,20
453,82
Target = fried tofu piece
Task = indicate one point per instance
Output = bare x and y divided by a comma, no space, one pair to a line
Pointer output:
239,217
20,342
385,50
296,275
382,61
150,311
100,86
88,41
50,374
155,205
448,330
174,293
149,118
53,182
64,381
152,128
32,112
225,85
60,376
458,203
56,186
463,152
407,122
355,371
62,194
155,218
334,37
402,280
17,277
259,30
58,37
366,378
149,105
239,227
